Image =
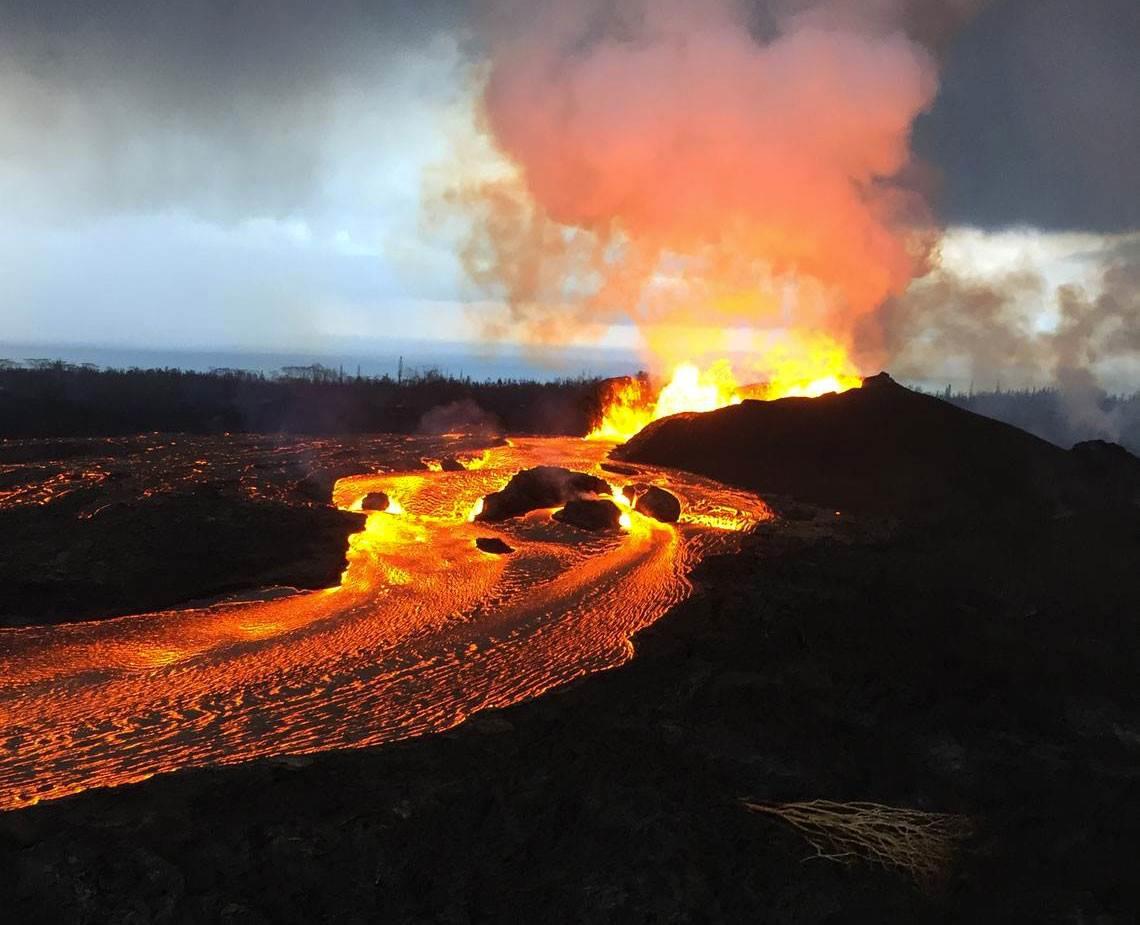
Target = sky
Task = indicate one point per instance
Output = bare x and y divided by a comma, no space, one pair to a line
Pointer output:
264,175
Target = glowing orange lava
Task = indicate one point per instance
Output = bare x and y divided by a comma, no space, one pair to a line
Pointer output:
423,631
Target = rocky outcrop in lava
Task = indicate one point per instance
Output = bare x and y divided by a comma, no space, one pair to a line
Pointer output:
493,544
537,488
881,449
655,502
375,501
451,464
595,515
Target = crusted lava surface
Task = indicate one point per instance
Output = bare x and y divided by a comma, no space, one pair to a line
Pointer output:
94,528
421,629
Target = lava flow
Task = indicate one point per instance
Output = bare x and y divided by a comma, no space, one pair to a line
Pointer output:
424,630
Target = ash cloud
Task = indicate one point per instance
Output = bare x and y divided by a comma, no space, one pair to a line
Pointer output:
993,323
990,329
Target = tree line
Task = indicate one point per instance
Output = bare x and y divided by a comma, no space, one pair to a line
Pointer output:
52,398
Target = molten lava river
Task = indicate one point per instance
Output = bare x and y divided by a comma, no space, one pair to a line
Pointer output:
423,631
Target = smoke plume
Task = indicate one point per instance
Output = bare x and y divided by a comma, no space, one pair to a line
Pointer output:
703,167
991,330
459,417
993,325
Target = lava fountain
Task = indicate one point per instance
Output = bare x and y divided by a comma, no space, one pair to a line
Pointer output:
820,367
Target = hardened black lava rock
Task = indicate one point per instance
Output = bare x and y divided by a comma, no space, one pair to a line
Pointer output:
600,514
494,545
375,501
884,450
656,503
537,488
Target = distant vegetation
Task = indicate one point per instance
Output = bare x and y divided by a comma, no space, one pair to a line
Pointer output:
1061,417
45,398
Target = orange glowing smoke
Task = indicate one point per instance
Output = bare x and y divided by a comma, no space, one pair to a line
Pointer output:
819,366
702,169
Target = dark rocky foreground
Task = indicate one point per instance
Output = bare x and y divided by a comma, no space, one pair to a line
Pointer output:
985,669
966,645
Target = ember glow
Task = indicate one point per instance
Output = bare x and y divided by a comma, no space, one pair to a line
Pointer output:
423,631
617,492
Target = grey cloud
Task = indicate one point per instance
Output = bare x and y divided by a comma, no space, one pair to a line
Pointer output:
220,108
991,325
225,107
1036,122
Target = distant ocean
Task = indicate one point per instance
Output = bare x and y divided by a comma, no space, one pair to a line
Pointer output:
372,359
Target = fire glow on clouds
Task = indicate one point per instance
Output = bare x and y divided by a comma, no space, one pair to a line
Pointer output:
737,199
676,171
